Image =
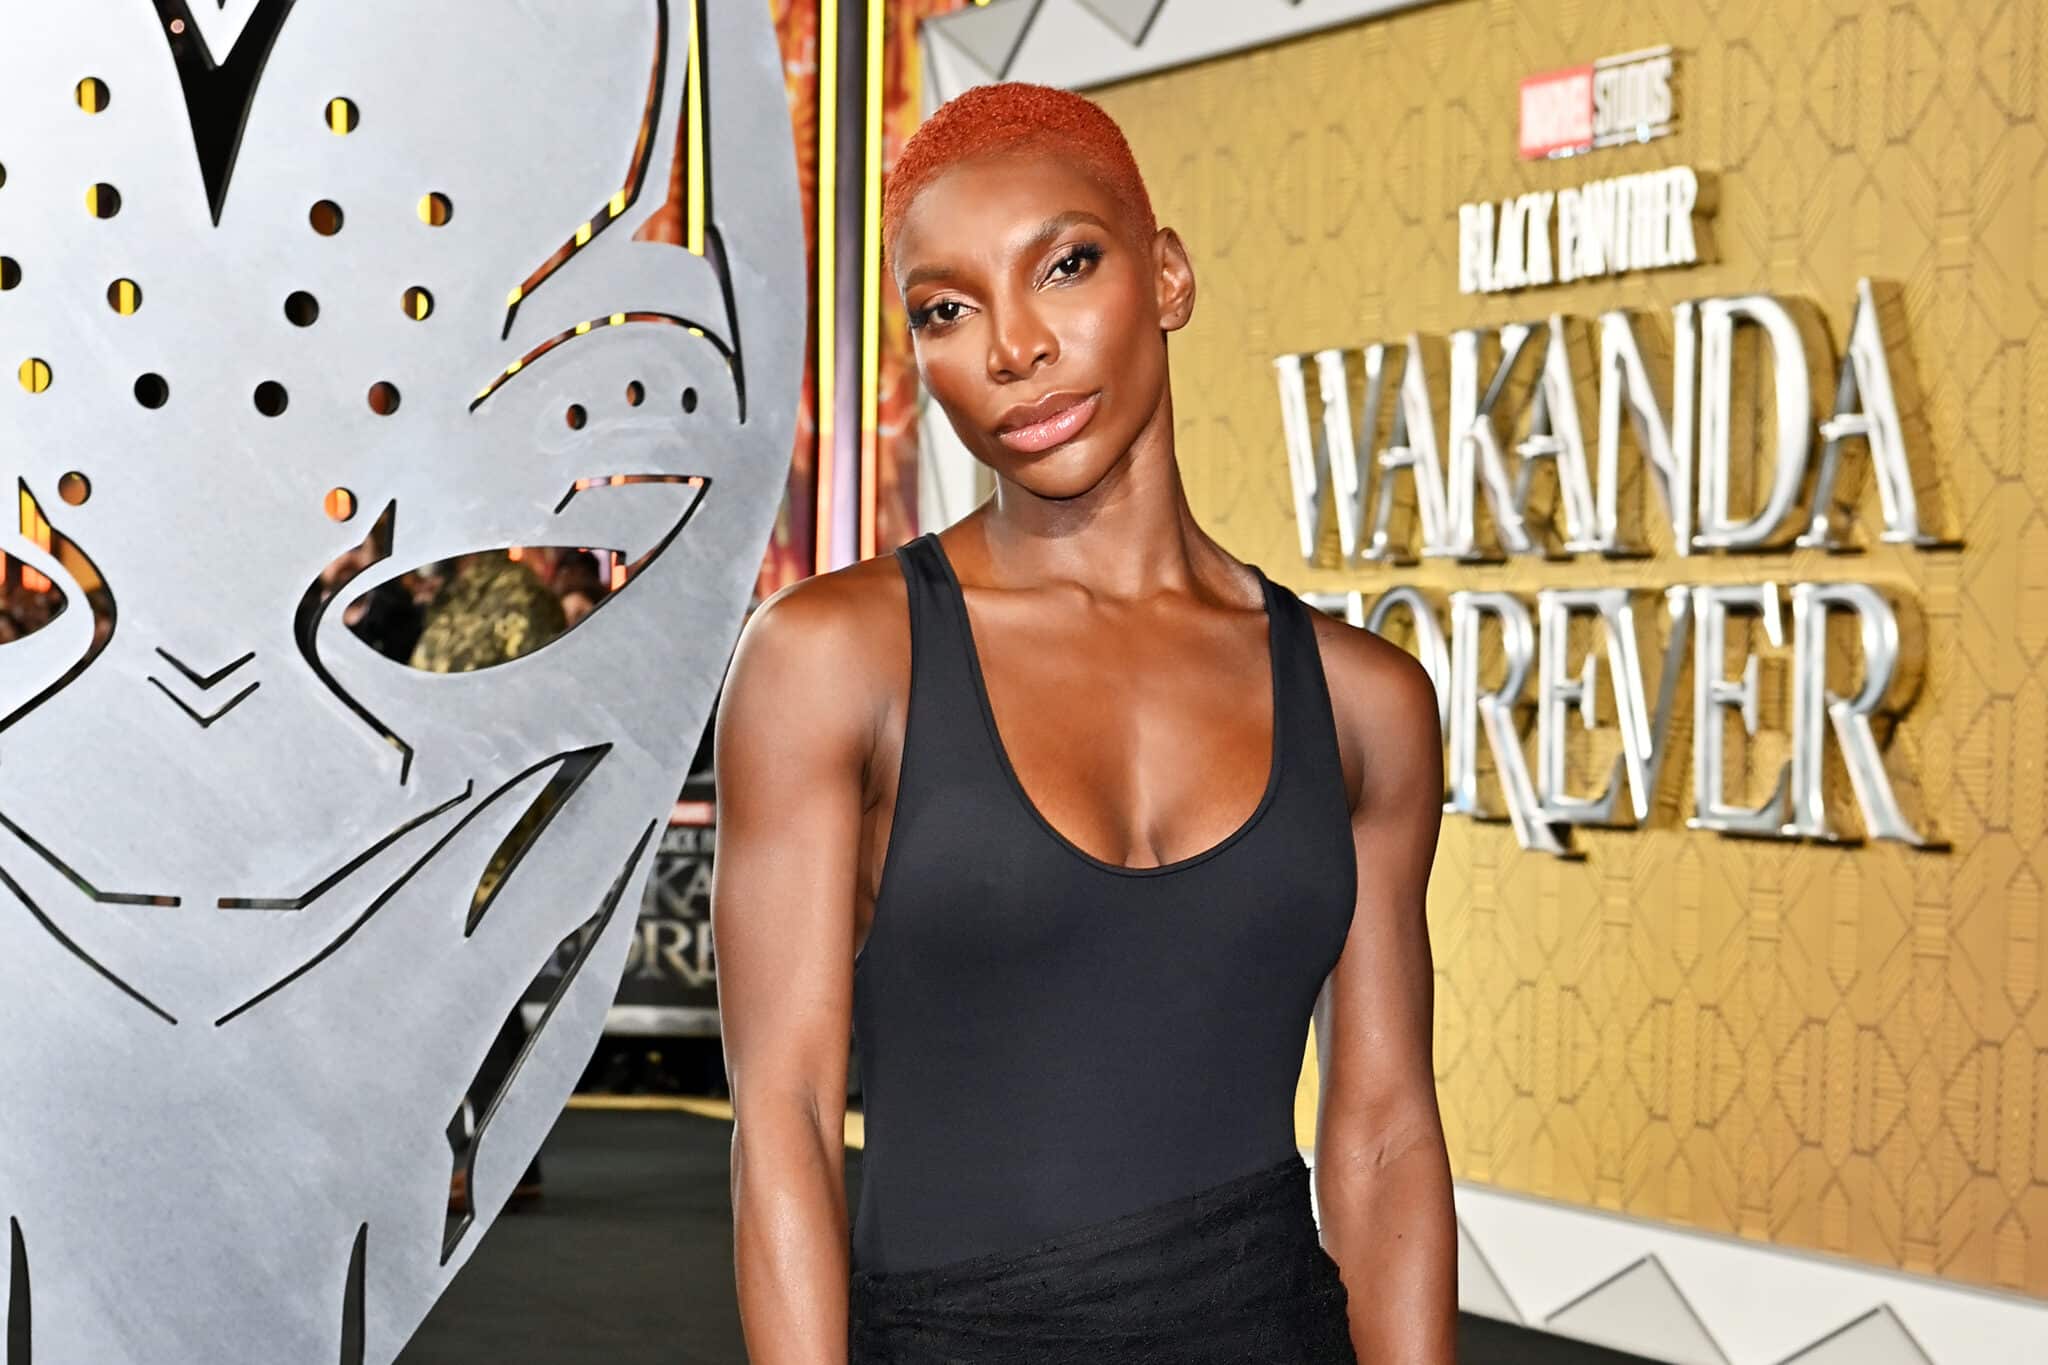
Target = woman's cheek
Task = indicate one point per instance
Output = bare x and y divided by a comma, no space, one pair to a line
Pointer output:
1096,322
947,375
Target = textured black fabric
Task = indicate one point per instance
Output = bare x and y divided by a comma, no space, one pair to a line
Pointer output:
1047,1040
1230,1275
628,1260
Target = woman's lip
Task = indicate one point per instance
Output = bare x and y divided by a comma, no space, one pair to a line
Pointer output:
1062,426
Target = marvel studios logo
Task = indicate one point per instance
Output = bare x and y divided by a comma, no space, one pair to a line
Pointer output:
1613,100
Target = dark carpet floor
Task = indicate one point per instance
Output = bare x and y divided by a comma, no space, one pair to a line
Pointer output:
627,1260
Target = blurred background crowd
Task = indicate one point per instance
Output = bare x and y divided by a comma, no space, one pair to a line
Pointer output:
481,609
447,617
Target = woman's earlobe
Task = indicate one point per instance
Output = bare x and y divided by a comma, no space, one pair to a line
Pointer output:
1180,313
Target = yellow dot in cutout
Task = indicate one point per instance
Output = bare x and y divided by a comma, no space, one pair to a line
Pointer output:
35,375
125,296
341,116
92,95
435,210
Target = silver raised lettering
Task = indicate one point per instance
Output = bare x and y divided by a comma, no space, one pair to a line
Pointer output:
1626,386
1308,459
1714,694
1645,729
1891,673
1472,709
1867,409
1719,527
1556,438
1412,450
1476,454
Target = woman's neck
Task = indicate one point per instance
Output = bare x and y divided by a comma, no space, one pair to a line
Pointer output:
1131,535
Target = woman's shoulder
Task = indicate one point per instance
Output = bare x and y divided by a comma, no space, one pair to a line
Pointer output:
820,660
1362,660
1383,701
839,599
833,625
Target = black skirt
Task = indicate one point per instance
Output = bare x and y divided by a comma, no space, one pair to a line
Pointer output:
1229,1275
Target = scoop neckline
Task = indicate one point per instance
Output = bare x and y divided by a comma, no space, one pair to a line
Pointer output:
1002,753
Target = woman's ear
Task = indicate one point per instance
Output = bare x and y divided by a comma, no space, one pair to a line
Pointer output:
1175,277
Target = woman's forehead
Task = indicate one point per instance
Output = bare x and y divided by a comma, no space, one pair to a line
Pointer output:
994,205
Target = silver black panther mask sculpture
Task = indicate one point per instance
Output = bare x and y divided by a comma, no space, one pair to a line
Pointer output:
246,972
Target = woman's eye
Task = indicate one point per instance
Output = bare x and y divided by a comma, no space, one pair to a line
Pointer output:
1074,261
944,311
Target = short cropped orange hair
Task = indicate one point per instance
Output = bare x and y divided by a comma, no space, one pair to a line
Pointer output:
993,118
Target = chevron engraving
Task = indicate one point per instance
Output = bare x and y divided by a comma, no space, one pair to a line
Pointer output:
210,679
204,722
218,92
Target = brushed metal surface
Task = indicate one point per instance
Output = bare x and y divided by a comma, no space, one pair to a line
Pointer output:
239,998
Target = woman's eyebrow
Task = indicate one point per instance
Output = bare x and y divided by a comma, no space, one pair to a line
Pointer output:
923,273
1040,238
1055,225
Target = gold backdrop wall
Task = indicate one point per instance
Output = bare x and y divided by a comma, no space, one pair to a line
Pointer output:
1833,1048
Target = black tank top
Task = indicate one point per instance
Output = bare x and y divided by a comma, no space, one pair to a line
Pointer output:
1047,1039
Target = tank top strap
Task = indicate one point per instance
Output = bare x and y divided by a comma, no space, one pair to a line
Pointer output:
1309,750
925,578
944,715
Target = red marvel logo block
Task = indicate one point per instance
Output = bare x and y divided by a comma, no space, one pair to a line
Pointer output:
1557,112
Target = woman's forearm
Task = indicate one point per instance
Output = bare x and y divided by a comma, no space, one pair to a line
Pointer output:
790,1250
1388,1223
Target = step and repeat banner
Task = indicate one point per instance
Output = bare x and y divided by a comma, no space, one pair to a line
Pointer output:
670,984
1668,378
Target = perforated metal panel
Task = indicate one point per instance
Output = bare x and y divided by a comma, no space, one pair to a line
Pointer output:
244,981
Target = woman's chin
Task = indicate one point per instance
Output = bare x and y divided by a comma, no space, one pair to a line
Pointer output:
1065,471
1059,480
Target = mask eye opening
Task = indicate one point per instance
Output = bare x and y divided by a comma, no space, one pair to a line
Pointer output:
321,592
25,588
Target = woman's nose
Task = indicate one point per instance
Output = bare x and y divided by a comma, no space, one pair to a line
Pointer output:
1019,343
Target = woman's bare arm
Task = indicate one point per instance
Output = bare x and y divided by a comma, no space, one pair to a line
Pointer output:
1383,1179
795,730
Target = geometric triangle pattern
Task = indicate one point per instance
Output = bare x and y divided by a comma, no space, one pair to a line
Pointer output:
1639,1310
1686,1296
1876,1338
991,34
1479,1289
1131,18
1090,43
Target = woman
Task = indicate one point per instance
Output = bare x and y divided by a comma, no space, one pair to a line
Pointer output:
1075,820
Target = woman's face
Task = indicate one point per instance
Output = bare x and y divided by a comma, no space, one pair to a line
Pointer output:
1038,311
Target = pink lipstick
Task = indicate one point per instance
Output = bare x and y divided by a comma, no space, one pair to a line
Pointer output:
1034,427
